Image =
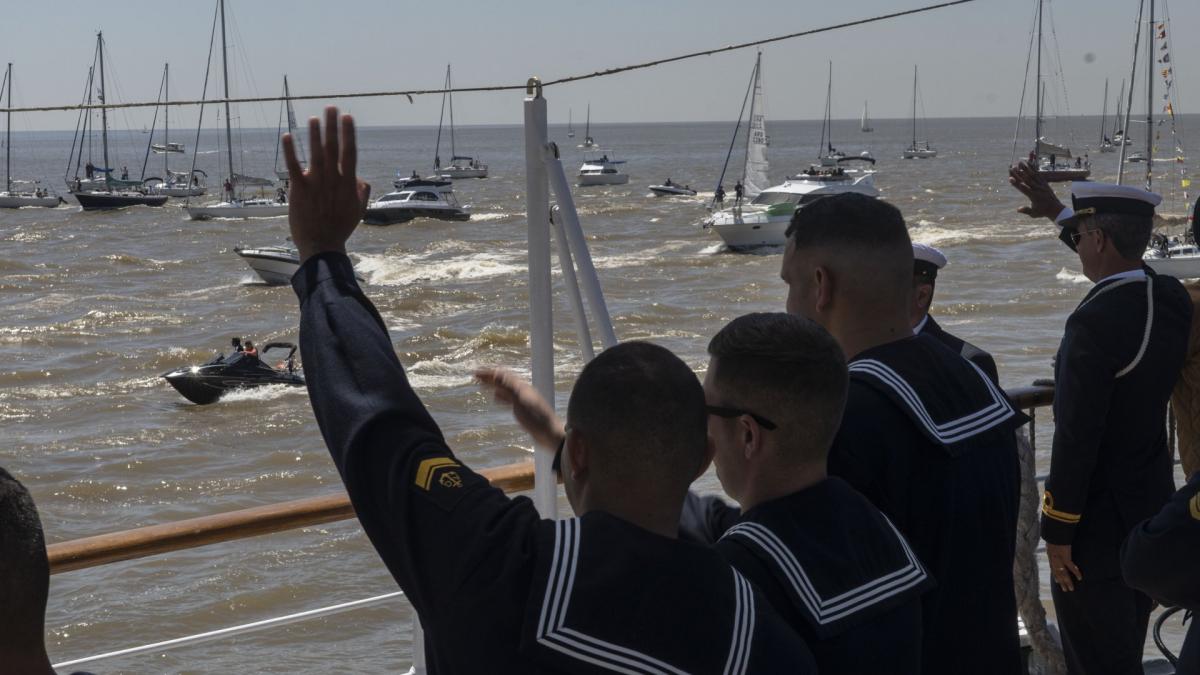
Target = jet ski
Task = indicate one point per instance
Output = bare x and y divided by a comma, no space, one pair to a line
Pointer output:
206,383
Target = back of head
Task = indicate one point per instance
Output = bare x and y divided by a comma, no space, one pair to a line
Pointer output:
1130,234
861,239
788,369
641,410
24,569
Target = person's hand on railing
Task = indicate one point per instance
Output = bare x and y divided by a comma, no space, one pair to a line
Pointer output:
531,411
1043,203
327,201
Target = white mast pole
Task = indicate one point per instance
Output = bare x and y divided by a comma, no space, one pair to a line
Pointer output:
541,316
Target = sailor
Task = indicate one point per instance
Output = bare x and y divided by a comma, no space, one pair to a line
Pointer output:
1110,467
497,588
927,260
738,191
1159,558
89,169
719,195
668,183
124,173
925,436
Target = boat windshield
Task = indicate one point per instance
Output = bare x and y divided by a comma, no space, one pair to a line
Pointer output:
395,197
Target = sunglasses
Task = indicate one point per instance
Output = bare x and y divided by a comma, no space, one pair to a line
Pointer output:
1077,235
722,411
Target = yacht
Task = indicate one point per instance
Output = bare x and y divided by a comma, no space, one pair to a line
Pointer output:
259,207
405,205
601,170
275,265
916,150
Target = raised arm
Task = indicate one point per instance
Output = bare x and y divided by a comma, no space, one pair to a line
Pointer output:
442,530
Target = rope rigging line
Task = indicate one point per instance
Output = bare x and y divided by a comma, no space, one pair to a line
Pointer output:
507,87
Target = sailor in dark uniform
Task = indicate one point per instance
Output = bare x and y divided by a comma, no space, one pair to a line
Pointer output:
926,435
927,260
497,588
1159,558
1110,468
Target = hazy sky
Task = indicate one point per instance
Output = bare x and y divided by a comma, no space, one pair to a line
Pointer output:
972,57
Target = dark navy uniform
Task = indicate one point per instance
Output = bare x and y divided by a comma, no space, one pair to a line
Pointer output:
1160,558
835,569
498,589
928,438
1110,468
967,350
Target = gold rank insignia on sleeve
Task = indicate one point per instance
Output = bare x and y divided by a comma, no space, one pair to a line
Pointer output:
1194,506
442,467
1061,516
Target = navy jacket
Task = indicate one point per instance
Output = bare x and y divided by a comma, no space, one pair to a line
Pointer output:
967,350
1120,355
928,438
498,589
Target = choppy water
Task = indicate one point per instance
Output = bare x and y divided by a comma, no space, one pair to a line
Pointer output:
97,305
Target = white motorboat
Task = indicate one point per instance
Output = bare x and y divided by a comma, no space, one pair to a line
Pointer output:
275,265
765,219
405,205
602,170
165,148
672,189
1136,157
916,150
461,166
239,208
1181,261
37,197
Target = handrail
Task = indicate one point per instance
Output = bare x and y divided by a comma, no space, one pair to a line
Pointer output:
271,518
241,524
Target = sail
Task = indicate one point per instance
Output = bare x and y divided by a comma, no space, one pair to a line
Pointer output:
1045,149
755,175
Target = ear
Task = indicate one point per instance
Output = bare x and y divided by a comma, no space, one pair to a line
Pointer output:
751,437
823,288
576,461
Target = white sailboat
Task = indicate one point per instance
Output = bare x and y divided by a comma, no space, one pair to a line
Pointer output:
588,143
461,166
172,183
763,216
235,204
285,108
1106,144
11,198
865,124
1052,160
915,150
570,125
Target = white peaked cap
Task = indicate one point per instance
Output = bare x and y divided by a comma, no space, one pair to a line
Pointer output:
929,254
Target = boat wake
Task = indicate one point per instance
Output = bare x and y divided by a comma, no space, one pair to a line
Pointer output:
407,268
268,392
1069,276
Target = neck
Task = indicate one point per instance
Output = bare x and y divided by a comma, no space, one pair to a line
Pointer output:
654,516
1116,265
776,482
864,328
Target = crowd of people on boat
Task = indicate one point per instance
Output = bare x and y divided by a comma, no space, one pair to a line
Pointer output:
870,456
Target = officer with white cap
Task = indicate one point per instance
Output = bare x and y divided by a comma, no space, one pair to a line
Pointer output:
1110,466
927,260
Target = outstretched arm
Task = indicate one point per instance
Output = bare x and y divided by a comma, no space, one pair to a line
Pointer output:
1043,203
530,410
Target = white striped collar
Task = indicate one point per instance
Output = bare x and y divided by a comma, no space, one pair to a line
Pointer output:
1128,274
552,631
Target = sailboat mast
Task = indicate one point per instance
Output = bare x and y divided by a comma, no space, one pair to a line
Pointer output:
437,148
750,129
450,97
587,126
1150,97
914,115
103,110
829,108
8,135
225,77
1037,124
1104,111
166,122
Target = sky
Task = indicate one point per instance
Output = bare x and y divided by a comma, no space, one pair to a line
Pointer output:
972,57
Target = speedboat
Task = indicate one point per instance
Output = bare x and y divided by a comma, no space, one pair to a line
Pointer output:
764,221
670,189
413,182
463,167
602,171
239,208
405,205
274,264
1136,157
205,383
163,148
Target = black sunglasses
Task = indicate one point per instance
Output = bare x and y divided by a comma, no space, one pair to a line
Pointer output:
721,411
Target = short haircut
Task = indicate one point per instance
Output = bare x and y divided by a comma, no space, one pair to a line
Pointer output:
1129,234
641,410
24,568
849,221
788,369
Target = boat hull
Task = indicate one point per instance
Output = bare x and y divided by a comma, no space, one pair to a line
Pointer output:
403,214
671,191
274,266
235,211
202,389
586,180
466,172
180,191
19,201
919,154
1180,267
92,201
1064,175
